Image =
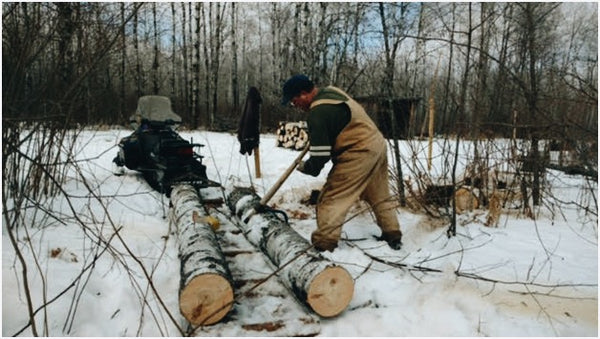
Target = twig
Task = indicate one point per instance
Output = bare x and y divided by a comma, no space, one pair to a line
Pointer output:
137,260
553,295
60,294
543,310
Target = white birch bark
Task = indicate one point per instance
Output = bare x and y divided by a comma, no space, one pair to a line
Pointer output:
206,293
325,287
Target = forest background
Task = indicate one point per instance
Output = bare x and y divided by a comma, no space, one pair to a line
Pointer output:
489,68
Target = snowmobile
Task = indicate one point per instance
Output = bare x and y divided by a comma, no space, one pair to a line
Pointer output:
157,151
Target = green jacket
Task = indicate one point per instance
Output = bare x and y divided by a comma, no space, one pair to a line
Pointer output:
325,122
339,129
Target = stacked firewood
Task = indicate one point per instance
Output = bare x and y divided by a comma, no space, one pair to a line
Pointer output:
292,135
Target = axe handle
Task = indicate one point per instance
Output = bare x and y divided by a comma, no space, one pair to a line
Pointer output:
284,177
279,182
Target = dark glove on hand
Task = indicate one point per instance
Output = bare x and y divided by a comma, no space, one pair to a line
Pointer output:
300,167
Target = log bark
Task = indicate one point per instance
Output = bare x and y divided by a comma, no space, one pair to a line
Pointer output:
325,287
206,293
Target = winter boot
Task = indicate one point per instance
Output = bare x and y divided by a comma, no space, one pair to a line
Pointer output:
393,239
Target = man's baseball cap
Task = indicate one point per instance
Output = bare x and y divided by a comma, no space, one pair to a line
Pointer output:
294,85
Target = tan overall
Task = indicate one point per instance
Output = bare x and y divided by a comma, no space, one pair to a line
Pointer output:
360,170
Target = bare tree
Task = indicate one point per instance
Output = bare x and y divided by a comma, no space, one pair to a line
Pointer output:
173,51
199,9
216,43
184,53
138,67
234,62
121,111
155,63
393,34
534,20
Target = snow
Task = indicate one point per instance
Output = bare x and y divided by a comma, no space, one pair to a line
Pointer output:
523,278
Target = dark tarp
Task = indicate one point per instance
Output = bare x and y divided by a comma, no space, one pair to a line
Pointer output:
248,132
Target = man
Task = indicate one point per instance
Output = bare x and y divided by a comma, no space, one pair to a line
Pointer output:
339,129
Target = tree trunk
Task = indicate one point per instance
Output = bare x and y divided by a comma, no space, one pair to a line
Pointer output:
326,288
121,114
196,68
138,66
184,52
259,76
173,52
274,43
207,40
532,97
216,45
206,292
418,82
308,61
296,41
502,102
391,46
444,123
323,33
234,62
464,87
155,63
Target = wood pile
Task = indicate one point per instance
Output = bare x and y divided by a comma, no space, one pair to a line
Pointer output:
292,135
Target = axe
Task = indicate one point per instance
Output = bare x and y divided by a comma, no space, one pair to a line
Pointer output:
279,182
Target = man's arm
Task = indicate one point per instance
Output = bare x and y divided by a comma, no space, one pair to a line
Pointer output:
320,148
325,122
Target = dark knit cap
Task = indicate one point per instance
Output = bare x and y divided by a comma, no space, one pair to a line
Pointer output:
294,85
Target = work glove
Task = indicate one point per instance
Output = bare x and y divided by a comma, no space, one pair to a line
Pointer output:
300,167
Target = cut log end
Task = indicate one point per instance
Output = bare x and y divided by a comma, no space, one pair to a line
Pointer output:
331,291
206,299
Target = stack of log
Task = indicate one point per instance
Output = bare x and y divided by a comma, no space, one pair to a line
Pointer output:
293,135
317,282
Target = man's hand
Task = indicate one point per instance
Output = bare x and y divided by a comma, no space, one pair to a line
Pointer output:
300,167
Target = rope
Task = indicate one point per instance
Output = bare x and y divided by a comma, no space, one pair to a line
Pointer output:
275,212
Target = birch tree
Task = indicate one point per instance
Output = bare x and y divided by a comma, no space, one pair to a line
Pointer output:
184,53
173,50
196,66
155,63
234,62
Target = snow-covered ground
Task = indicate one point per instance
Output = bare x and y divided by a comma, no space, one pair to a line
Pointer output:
523,278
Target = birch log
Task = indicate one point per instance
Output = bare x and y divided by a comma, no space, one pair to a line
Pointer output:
206,293
316,281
